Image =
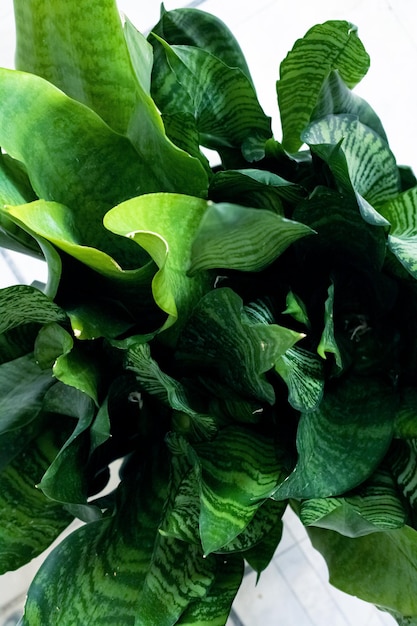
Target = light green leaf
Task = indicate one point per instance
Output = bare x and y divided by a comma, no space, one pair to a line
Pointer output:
242,238
360,160
239,469
379,568
297,309
402,238
164,225
29,521
333,45
221,98
218,338
78,369
341,443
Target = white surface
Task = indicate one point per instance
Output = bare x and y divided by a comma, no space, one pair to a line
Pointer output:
294,589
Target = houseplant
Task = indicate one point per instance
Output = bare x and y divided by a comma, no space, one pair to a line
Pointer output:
240,336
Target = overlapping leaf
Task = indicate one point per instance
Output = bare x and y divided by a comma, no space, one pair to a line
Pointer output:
341,443
325,47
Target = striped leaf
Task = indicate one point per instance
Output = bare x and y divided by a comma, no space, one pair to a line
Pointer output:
214,608
239,469
333,45
242,238
359,159
191,27
374,506
254,188
402,238
405,423
165,225
404,468
221,98
379,568
169,391
342,442
237,353
29,521
335,97
303,373
22,304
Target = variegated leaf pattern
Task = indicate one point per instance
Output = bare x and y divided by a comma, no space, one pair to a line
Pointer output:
402,238
404,467
325,47
303,373
374,506
242,238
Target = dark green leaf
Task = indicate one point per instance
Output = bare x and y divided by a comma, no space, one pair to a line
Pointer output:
22,304
216,337
29,521
221,98
303,373
342,442
333,45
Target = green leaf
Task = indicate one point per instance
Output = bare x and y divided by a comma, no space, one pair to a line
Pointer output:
239,353
328,343
169,391
29,521
254,188
242,238
303,373
78,369
359,159
404,468
108,558
221,98
374,506
341,443
239,469
100,167
336,97
405,422
164,225
22,388
402,238
297,309
379,568
333,45
22,304
193,27
214,608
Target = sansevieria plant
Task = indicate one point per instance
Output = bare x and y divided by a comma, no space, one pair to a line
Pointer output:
240,335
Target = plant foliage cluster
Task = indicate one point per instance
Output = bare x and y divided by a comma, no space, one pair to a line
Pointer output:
241,337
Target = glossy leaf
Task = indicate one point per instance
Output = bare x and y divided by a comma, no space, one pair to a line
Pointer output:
341,443
239,353
333,45
193,80
242,238
164,225
22,304
29,521
379,568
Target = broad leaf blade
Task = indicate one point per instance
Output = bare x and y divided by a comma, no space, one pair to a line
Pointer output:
342,442
29,521
402,238
333,45
242,238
